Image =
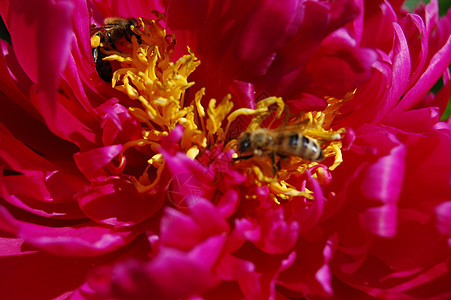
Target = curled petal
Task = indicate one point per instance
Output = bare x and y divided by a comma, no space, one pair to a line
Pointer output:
439,62
117,123
81,240
278,236
91,162
168,276
116,202
30,194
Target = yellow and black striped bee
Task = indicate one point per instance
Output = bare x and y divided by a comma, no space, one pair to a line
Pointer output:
114,32
283,143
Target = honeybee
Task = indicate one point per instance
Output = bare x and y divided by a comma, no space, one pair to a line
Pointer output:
111,34
283,143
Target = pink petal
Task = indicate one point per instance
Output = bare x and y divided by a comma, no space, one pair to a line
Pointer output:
413,27
306,102
307,215
383,179
244,230
52,27
207,215
432,171
244,92
335,71
401,67
177,17
119,126
228,204
278,236
45,276
14,79
308,273
382,182
81,240
116,202
443,215
29,194
168,276
437,65
378,32
179,230
91,163
418,120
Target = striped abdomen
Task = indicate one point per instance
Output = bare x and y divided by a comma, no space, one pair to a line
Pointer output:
296,144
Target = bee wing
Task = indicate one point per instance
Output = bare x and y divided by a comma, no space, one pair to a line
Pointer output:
94,30
291,128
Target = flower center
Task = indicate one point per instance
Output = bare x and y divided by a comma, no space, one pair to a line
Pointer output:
148,75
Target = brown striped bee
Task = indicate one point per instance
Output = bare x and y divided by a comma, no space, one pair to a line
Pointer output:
112,34
283,143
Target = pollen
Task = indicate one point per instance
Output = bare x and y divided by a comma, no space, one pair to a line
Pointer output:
158,84
287,177
149,76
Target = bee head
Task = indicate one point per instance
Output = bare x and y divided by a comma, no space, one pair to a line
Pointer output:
244,142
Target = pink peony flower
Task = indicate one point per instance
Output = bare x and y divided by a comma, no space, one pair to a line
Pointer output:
135,188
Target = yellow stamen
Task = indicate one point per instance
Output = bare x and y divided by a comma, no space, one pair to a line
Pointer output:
149,76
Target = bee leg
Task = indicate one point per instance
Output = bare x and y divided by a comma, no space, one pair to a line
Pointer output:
278,162
103,67
110,40
242,157
275,167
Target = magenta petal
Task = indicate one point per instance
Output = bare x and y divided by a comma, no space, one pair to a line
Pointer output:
278,236
191,179
244,92
338,71
260,39
168,276
441,98
169,142
81,240
443,215
178,18
310,272
207,215
19,157
91,162
382,182
208,252
46,21
41,32
184,232
119,126
116,202
401,67
12,74
244,230
45,276
29,194
307,218
231,267
419,120
179,230
380,25
436,67
228,203
306,102
383,179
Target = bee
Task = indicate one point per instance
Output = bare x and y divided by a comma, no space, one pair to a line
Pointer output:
283,143
112,35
